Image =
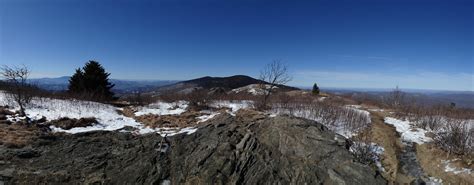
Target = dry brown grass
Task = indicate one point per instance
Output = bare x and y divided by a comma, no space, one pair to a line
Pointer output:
17,136
68,123
431,157
185,119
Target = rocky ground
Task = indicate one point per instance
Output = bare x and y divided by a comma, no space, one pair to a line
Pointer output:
249,148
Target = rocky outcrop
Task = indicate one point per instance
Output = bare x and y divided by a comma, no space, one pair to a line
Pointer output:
249,148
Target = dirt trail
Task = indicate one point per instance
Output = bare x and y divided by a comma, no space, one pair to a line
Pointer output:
386,136
399,158
411,163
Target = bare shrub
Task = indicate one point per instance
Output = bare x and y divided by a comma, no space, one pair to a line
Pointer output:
363,150
456,137
339,119
198,99
138,98
430,122
21,91
396,97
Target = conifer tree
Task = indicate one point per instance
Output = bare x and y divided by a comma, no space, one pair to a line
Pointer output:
76,83
315,90
93,81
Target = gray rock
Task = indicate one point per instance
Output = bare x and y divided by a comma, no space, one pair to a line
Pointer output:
241,150
27,153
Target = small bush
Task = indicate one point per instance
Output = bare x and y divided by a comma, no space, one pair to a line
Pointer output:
364,150
456,137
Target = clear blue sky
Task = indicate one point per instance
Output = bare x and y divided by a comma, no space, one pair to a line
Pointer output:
423,44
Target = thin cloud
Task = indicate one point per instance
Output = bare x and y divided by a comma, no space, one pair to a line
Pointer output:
365,57
423,80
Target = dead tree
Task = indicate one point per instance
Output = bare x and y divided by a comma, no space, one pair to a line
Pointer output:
20,91
397,97
273,75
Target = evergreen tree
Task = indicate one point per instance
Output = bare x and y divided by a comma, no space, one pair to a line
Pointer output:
76,83
315,89
93,81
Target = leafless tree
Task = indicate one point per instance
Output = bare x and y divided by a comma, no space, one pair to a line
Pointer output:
273,75
20,91
397,97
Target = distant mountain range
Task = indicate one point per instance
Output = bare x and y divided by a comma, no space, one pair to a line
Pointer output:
209,83
460,98
121,86
157,86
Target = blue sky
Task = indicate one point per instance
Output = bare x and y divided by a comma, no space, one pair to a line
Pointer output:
421,44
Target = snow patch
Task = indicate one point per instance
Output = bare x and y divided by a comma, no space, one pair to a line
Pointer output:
107,116
166,132
207,116
234,106
449,168
163,108
434,181
408,132
166,182
254,89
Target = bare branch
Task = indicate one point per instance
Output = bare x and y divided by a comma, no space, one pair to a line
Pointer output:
274,74
21,91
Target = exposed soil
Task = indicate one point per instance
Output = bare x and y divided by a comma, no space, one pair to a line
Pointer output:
431,157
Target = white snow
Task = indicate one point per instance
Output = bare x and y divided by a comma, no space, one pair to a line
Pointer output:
449,168
233,105
254,89
434,181
408,132
207,116
108,117
166,132
354,106
163,108
166,182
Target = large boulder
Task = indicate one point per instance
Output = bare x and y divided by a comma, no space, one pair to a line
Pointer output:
245,149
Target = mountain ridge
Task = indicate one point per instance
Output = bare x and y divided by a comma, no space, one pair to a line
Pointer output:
208,82
121,86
